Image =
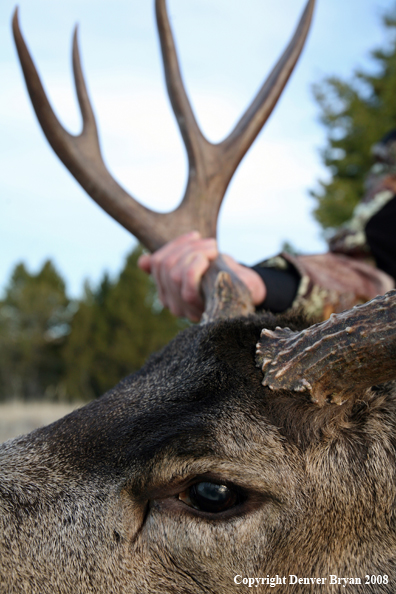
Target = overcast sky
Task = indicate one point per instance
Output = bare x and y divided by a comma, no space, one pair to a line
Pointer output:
226,48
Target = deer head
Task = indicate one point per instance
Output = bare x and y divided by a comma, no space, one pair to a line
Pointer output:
191,473
192,476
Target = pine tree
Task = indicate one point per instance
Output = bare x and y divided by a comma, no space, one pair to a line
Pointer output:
114,331
356,113
34,321
51,347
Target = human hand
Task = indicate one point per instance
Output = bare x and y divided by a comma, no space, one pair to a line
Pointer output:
178,268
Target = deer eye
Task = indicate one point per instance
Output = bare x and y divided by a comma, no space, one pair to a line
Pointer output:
211,497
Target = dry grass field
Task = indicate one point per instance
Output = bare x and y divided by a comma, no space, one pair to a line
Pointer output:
17,418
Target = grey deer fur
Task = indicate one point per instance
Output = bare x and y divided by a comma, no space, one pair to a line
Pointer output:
96,502
90,503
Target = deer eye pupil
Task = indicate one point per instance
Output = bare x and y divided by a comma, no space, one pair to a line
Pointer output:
210,497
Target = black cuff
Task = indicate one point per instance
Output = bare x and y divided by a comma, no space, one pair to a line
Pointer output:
282,287
381,237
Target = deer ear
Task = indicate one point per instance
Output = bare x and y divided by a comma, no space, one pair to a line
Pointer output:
334,360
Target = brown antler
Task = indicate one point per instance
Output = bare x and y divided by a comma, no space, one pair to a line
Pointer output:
333,360
211,166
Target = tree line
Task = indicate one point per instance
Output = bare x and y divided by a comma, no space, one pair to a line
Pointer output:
356,113
56,348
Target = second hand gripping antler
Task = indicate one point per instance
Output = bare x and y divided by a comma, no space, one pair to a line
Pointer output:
211,166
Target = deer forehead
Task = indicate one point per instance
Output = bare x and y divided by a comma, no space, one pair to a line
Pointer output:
204,413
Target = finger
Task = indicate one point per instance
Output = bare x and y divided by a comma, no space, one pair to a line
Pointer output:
169,267
180,285
144,263
169,281
163,260
174,245
252,280
191,281
170,256
160,266
172,262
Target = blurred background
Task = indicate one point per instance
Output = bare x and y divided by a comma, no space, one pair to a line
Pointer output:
75,313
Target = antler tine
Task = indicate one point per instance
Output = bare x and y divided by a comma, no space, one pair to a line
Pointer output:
206,184
250,124
211,166
82,156
192,135
334,361
88,117
43,109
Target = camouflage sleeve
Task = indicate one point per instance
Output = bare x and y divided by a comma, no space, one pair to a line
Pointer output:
330,283
361,263
351,238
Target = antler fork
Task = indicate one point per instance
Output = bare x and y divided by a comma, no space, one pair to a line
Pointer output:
211,166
